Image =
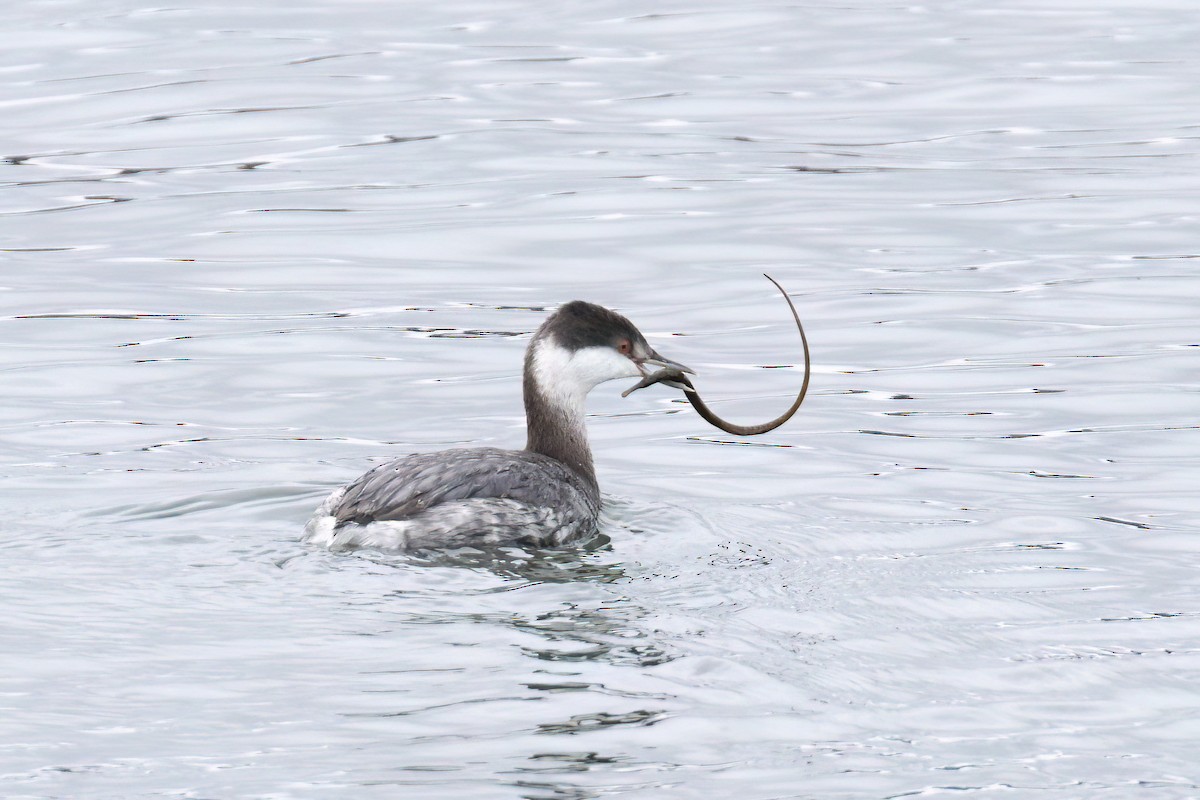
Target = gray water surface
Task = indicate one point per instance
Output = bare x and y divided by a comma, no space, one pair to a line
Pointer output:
248,252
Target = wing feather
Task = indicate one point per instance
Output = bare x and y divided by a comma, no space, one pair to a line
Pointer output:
403,488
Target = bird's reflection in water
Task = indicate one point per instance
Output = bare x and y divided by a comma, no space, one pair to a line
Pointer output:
565,596
605,628
608,633
521,566
583,633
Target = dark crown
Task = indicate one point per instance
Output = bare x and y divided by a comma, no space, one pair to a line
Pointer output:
579,324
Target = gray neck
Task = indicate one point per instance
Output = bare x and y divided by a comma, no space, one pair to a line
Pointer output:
556,427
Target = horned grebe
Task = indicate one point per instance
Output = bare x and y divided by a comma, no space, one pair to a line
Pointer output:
543,495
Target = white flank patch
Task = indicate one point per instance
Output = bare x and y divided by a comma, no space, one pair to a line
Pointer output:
475,522
319,529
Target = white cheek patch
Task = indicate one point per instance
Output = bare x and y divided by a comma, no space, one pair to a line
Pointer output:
566,377
596,365
550,369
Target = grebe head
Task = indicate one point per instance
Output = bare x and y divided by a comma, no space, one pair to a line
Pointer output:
582,345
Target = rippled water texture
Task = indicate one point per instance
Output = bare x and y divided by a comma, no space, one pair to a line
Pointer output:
250,250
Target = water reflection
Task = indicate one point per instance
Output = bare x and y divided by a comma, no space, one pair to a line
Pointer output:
584,723
608,633
580,763
605,629
550,648
527,565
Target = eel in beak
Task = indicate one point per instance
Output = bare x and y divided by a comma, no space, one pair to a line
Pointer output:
673,375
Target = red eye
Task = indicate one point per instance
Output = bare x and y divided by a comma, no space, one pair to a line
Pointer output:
625,347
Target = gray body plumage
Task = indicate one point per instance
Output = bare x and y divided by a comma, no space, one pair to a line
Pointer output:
458,498
543,495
